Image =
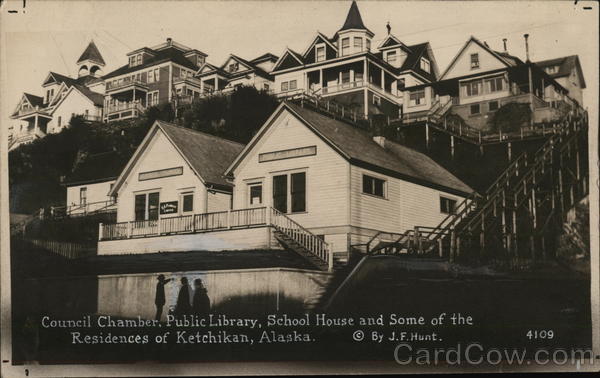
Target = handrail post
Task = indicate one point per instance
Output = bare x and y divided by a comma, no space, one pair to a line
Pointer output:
330,262
129,230
99,231
229,219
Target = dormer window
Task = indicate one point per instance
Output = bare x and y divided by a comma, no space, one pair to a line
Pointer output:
200,60
391,57
474,61
135,60
320,53
233,67
425,65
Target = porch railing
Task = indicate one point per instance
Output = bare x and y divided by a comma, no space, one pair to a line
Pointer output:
193,223
111,86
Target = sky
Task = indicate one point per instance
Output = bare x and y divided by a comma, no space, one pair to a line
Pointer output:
50,35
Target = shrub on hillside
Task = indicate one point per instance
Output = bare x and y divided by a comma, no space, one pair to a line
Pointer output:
510,117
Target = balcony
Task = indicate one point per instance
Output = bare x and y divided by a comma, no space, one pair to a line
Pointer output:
125,110
125,85
343,87
188,80
31,111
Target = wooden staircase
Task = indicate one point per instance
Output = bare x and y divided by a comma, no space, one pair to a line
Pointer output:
519,213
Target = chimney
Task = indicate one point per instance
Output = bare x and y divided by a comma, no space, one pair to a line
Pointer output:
504,41
169,41
526,46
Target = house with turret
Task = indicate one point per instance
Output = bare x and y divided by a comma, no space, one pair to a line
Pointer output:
348,69
62,97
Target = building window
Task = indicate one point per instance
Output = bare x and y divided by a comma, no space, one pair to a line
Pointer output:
346,77
400,84
493,106
285,86
151,76
187,202
233,67
345,46
358,43
289,192
391,56
320,53
472,88
59,121
373,186
152,98
368,44
293,85
376,100
425,65
82,196
266,87
280,193
496,84
474,61
131,61
551,69
417,98
447,205
475,109
298,192
255,194
146,206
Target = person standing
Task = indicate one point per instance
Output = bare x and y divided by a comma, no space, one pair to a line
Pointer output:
159,299
201,301
183,306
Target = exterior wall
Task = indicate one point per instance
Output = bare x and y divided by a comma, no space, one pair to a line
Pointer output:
295,75
327,175
96,192
99,87
229,240
271,289
405,205
571,83
74,104
218,201
161,154
462,65
486,94
426,105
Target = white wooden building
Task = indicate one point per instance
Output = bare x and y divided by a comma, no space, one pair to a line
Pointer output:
337,181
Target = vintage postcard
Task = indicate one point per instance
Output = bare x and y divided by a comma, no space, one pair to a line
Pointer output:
298,187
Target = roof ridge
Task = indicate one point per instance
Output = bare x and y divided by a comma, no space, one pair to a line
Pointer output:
197,131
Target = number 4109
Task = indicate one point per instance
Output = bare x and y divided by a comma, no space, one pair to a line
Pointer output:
541,334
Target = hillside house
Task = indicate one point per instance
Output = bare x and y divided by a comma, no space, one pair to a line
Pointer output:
89,185
35,116
235,72
568,73
479,81
153,76
347,69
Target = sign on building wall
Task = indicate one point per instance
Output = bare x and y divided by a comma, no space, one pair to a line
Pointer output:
170,207
150,175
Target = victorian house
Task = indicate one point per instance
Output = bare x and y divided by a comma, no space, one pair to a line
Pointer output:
346,68
236,72
568,73
62,98
480,80
153,76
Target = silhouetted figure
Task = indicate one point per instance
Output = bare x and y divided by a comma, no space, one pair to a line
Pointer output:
201,302
183,306
159,299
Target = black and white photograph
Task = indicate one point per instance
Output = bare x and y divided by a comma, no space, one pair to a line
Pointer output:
298,187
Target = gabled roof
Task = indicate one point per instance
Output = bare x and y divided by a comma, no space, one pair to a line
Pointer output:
96,98
58,78
265,57
322,37
91,53
358,147
288,53
207,69
392,41
413,61
566,65
169,54
88,80
34,100
100,167
507,59
207,155
354,20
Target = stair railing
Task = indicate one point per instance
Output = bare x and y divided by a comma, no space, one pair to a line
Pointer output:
311,242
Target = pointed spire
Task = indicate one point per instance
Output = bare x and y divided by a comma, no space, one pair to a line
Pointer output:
91,53
353,19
